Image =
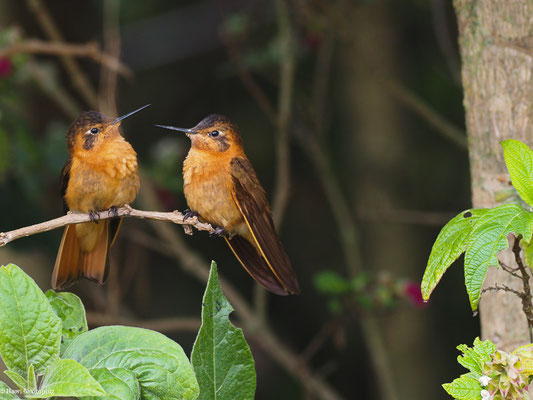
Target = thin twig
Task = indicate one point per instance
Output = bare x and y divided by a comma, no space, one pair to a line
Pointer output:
509,269
432,117
346,229
414,217
78,77
526,297
52,89
249,82
164,325
283,178
88,50
293,364
321,82
318,340
502,288
126,211
108,78
445,39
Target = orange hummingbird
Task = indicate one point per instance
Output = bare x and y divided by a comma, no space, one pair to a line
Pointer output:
100,173
221,187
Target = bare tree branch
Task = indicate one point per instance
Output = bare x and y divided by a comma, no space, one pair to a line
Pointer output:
78,77
89,50
283,173
432,117
126,211
164,325
107,97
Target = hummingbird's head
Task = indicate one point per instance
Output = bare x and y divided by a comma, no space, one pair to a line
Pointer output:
215,133
91,129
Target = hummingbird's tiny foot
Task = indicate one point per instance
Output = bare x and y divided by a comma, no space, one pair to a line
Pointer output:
188,213
93,216
113,211
218,232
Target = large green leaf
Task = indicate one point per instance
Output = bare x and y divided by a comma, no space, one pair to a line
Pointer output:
67,378
119,384
70,309
220,356
30,331
160,365
464,388
519,161
450,244
487,239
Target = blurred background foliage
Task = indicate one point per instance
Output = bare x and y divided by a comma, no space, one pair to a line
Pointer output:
376,89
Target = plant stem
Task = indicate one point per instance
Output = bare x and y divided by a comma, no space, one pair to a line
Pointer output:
527,305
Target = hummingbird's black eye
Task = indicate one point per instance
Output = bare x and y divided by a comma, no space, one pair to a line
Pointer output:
213,133
94,131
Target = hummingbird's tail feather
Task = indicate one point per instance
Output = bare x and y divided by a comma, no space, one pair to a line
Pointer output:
256,265
73,263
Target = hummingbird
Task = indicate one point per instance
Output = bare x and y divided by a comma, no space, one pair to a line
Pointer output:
221,188
100,173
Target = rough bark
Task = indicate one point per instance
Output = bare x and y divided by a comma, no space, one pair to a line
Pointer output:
496,45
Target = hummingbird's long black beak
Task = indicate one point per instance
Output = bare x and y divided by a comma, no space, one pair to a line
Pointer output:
173,128
116,121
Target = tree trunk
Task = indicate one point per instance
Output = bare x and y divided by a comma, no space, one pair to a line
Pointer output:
496,41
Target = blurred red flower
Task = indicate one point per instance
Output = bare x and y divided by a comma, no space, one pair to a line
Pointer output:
6,66
414,294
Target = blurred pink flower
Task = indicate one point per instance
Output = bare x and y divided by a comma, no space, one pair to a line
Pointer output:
414,294
6,66
313,41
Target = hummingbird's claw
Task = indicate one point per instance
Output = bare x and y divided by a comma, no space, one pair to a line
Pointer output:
218,232
113,211
93,216
188,213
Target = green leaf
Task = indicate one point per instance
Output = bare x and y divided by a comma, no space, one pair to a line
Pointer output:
119,384
70,309
330,282
6,393
30,331
159,364
474,358
487,239
519,161
221,358
67,378
450,244
17,379
464,388
32,379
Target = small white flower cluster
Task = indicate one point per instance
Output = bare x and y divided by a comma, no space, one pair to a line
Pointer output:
484,381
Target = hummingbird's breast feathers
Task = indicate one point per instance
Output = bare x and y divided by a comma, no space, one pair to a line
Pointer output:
208,187
99,180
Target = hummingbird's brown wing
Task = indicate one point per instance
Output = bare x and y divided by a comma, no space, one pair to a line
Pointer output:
65,176
266,260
